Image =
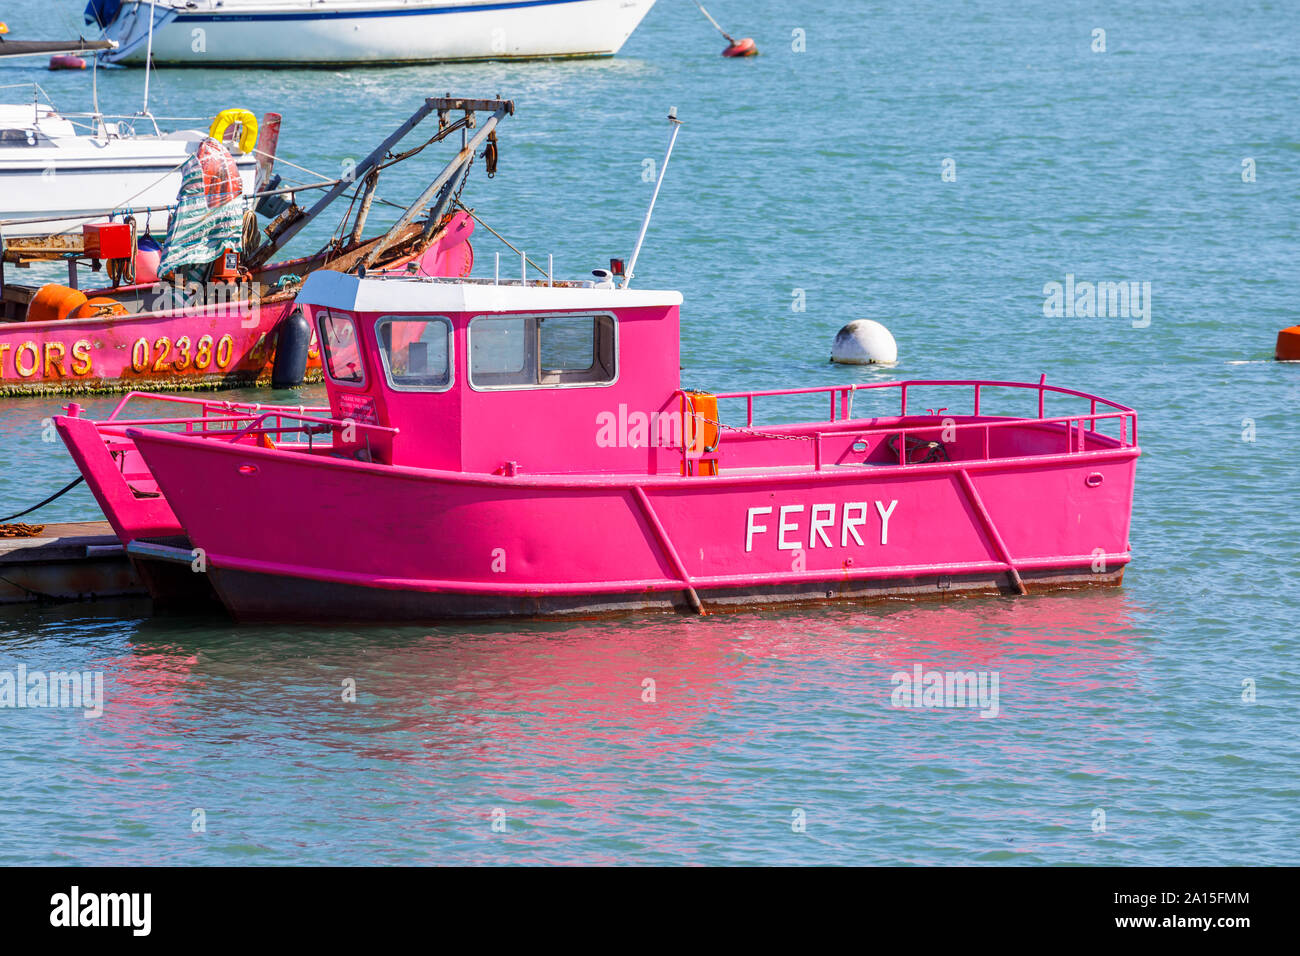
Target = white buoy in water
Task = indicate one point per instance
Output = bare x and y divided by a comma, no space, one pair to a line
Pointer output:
864,342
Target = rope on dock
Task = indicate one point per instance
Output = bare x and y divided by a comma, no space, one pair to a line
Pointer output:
62,491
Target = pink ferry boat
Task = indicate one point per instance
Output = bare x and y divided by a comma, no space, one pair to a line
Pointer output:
497,449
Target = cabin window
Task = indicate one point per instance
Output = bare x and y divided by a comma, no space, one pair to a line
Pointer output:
500,351
17,137
540,351
338,338
416,352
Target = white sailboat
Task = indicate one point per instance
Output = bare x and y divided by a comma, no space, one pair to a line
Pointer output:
55,177
287,32
60,176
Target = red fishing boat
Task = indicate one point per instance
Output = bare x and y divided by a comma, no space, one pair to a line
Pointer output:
229,321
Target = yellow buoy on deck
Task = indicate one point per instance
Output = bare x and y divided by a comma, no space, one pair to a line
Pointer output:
1288,344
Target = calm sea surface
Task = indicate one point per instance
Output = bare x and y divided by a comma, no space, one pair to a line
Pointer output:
1122,735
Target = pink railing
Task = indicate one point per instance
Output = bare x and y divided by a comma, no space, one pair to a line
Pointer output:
256,427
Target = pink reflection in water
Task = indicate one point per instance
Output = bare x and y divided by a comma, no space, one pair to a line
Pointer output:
549,719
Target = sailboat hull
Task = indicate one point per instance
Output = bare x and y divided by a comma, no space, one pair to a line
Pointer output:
374,31
60,187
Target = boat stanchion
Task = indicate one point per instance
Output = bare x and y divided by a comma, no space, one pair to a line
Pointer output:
666,545
991,530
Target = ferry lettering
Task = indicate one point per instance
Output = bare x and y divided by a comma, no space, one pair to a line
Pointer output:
789,536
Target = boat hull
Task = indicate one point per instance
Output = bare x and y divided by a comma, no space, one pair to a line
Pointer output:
377,543
285,34
67,185
215,346
265,598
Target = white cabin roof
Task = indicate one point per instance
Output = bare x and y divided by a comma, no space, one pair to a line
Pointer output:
399,294
35,116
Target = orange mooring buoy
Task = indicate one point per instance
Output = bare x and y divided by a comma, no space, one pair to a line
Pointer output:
745,47
1288,344
66,61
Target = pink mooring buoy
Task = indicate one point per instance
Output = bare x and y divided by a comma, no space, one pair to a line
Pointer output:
66,61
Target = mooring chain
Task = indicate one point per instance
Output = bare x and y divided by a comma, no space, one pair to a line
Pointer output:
455,200
757,434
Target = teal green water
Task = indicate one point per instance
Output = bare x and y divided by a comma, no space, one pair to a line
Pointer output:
818,171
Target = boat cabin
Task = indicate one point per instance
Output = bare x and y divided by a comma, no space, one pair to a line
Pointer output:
571,377
579,378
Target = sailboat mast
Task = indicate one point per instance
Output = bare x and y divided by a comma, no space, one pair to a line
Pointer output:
148,57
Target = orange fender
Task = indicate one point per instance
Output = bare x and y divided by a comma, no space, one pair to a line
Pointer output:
54,302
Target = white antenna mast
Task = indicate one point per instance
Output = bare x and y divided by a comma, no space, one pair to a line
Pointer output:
148,56
94,93
631,266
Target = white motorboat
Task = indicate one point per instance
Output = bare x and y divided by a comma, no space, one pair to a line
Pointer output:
60,171
285,32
